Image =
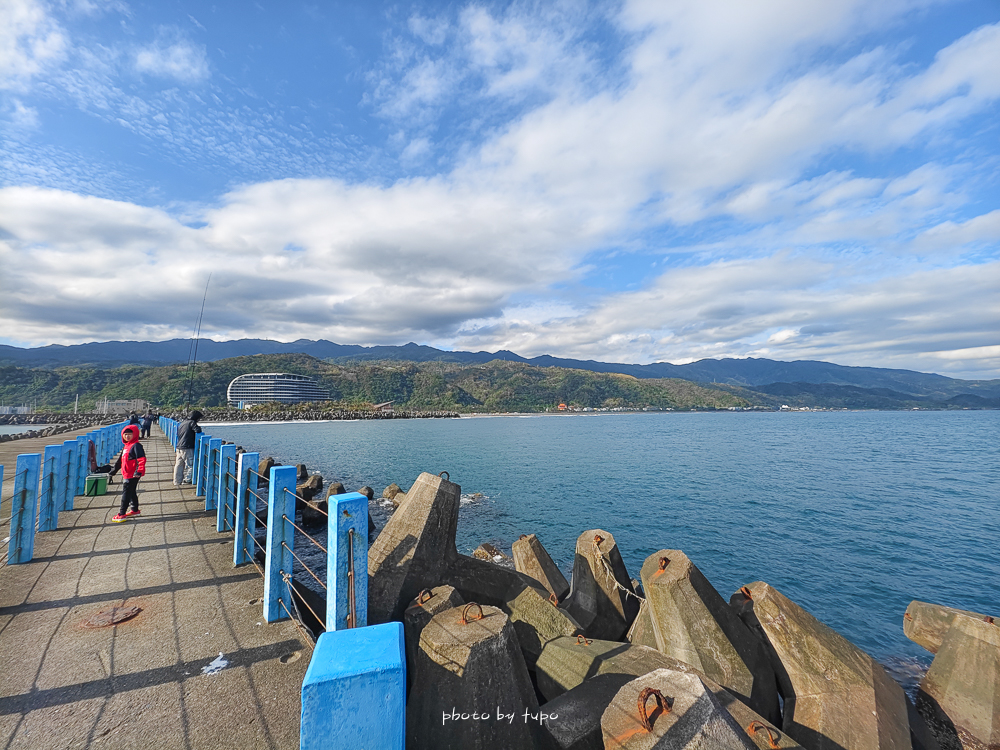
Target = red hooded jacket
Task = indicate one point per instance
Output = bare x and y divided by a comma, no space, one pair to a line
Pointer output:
133,458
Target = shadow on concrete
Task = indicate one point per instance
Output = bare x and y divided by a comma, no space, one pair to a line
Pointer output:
37,699
122,595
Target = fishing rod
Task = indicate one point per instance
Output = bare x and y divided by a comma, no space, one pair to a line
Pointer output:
193,351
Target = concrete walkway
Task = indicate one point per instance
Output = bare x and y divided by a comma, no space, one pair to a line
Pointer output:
147,682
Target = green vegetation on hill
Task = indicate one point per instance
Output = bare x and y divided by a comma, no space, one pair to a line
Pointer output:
496,386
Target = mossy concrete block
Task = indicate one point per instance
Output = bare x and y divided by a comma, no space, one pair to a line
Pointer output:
531,558
566,662
468,670
927,624
690,717
536,620
836,697
601,596
482,581
960,694
422,609
641,633
574,718
415,545
694,624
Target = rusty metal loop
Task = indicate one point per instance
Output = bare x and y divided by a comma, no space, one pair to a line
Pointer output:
553,600
664,562
907,616
446,475
421,596
989,620
582,640
465,611
523,536
598,539
746,592
755,726
665,704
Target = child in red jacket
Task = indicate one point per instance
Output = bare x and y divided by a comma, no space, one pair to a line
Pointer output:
133,465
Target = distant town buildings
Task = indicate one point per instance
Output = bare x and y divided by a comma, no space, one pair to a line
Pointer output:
120,406
266,387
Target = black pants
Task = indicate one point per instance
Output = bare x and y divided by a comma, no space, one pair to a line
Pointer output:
143,432
129,495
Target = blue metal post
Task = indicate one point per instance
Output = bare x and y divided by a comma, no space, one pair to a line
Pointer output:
67,475
82,469
48,500
280,542
212,478
246,508
23,509
354,691
347,562
226,499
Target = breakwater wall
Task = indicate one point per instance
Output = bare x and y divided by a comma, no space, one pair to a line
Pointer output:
292,414
457,651
50,424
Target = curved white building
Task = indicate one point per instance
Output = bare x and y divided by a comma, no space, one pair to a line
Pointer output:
265,387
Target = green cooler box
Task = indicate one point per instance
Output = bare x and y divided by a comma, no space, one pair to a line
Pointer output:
96,484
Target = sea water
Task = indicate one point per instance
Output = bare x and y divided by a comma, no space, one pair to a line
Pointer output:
850,514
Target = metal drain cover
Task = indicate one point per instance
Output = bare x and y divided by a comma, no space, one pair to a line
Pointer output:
110,616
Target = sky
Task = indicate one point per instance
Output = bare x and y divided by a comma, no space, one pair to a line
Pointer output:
633,181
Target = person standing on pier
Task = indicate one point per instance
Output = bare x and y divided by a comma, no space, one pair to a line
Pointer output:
184,460
146,424
133,466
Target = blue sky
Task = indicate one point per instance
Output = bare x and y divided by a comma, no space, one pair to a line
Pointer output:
634,181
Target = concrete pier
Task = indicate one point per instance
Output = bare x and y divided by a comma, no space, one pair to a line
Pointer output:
155,679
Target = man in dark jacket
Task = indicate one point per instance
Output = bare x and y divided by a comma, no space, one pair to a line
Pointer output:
146,424
184,460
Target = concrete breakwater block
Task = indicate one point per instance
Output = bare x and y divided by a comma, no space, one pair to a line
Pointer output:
579,708
354,691
641,633
537,619
422,609
567,662
481,581
667,709
471,688
960,694
531,558
601,596
835,695
416,543
927,624
694,624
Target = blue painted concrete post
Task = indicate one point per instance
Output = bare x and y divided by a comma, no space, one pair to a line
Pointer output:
354,691
346,543
280,541
23,508
212,477
82,469
201,463
67,475
48,501
226,499
246,505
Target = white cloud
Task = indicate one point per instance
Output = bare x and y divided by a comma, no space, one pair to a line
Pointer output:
742,148
30,40
180,59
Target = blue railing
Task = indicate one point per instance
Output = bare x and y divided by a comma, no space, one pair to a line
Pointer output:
45,484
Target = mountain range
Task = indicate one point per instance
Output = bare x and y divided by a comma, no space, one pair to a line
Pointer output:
791,378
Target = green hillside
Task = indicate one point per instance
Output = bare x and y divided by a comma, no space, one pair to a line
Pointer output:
493,387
